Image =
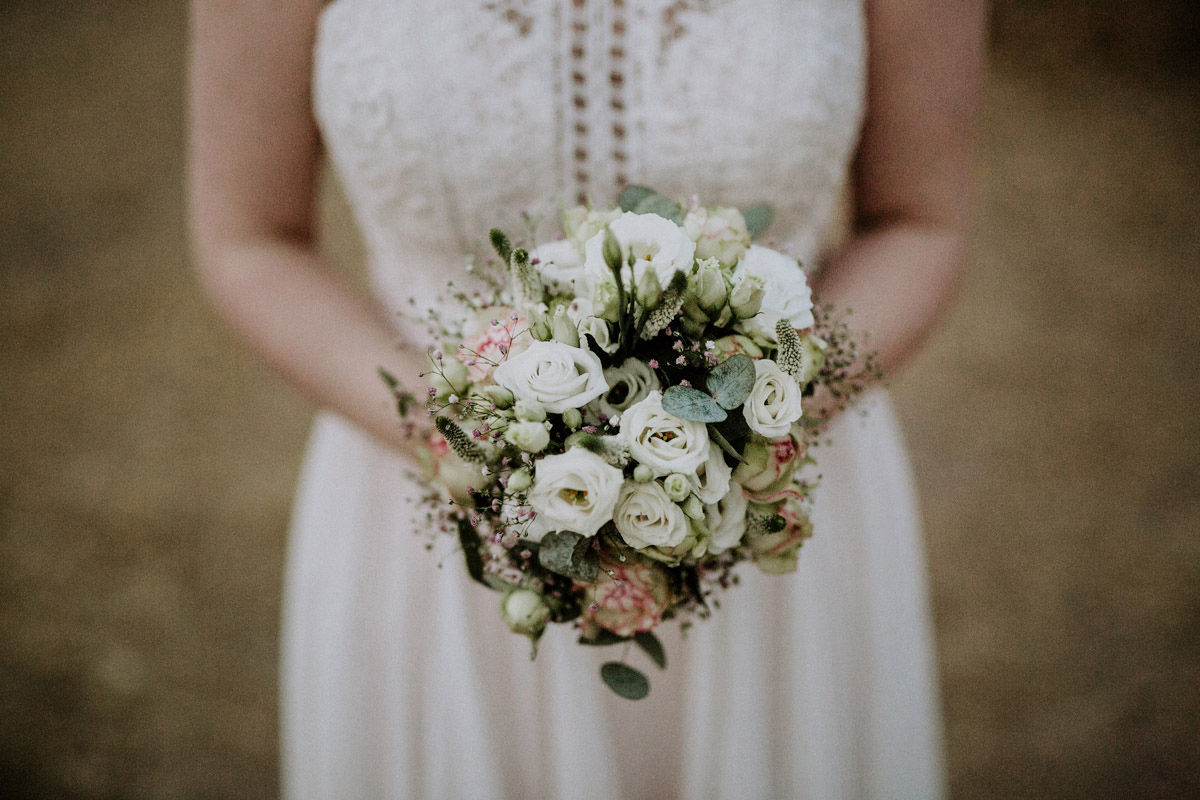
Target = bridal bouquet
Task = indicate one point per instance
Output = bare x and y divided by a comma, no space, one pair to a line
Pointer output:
619,419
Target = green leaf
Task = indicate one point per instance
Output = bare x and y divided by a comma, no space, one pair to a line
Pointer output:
388,378
603,638
724,444
633,195
758,218
567,553
625,680
657,204
470,541
692,404
730,381
652,647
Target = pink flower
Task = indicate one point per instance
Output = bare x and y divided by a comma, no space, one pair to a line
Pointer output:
487,340
629,597
779,553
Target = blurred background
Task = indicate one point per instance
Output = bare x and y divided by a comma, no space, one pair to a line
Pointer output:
147,465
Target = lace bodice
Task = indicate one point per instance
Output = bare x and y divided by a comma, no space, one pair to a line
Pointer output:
444,119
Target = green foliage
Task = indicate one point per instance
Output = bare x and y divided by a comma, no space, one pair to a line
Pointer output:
468,537
731,381
758,218
633,195
644,200
692,404
791,358
602,638
501,244
652,647
625,680
567,553
458,441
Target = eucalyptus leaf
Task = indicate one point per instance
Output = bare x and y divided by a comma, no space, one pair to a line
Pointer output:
603,638
724,444
625,680
633,195
567,553
657,204
758,218
652,647
692,404
730,381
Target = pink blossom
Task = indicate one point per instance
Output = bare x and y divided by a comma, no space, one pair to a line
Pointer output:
629,597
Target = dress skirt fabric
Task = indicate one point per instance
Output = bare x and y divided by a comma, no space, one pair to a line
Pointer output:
400,680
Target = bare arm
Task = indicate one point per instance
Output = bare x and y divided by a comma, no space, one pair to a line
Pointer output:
254,151
912,173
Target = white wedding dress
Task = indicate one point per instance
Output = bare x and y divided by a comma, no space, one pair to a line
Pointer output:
444,119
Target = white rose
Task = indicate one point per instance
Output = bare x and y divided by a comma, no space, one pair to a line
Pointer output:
711,481
786,296
664,442
726,520
654,242
560,264
580,312
555,374
646,517
575,491
628,383
774,402
719,233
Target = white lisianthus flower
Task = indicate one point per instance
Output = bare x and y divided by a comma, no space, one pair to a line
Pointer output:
580,312
662,441
575,491
774,402
646,517
628,383
560,263
654,242
786,291
554,374
726,520
719,233
711,481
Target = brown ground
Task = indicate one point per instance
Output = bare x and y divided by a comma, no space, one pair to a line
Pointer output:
146,466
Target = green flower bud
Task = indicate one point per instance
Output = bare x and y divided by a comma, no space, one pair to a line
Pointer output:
499,396
572,418
605,302
708,287
612,252
525,612
532,437
563,329
540,330
649,290
643,474
746,298
519,480
692,507
677,486
529,411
